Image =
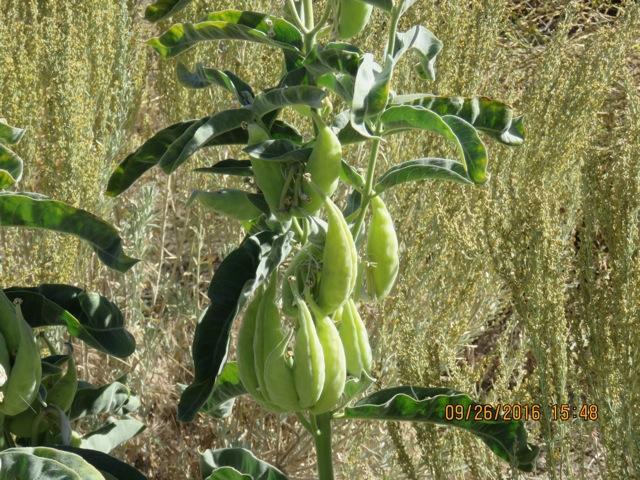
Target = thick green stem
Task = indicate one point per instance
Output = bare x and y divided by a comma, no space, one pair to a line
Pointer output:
322,438
368,188
308,14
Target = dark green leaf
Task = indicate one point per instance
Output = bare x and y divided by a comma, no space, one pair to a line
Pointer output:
115,432
488,116
145,157
200,134
278,98
114,399
472,151
240,273
283,131
423,169
229,25
10,167
106,464
10,135
371,92
475,154
204,77
88,316
424,43
335,57
228,386
164,8
37,211
339,83
231,202
240,168
507,439
278,151
351,177
242,460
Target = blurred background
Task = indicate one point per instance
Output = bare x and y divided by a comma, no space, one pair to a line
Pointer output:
524,290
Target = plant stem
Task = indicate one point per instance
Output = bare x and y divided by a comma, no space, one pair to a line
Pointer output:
368,188
322,437
308,14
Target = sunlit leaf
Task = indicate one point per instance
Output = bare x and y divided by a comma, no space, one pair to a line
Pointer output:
37,211
110,467
278,151
228,386
114,433
423,169
241,460
278,98
371,92
425,43
203,77
11,166
489,116
507,439
229,25
164,8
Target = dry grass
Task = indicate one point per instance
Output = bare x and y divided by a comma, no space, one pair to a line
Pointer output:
525,290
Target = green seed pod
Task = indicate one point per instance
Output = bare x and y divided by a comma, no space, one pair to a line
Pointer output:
268,175
334,366
339,262
355,339
353,16
246,363
246,334
324,166
22,385
230,202
308,360
279,380
382,251
268,332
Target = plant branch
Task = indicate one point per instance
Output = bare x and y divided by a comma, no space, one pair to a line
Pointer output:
308,14
296,18
322,437
368,188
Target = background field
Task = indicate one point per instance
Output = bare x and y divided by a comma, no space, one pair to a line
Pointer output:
525,290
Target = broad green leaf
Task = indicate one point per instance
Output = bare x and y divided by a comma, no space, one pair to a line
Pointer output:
283,131
462,134
235,280
425,43
114,398
11,166
278,98
164,8
149,154
386,5
229,25
200,134
228,386
10,135
336,57
88,316
423,169
145,157
239,168
45,463
114,433
37,211
242,460
507,439
341,84
475,154
233,203
371,92
351,177
489,116
204,77
110,467
228,473
62,390
278,151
